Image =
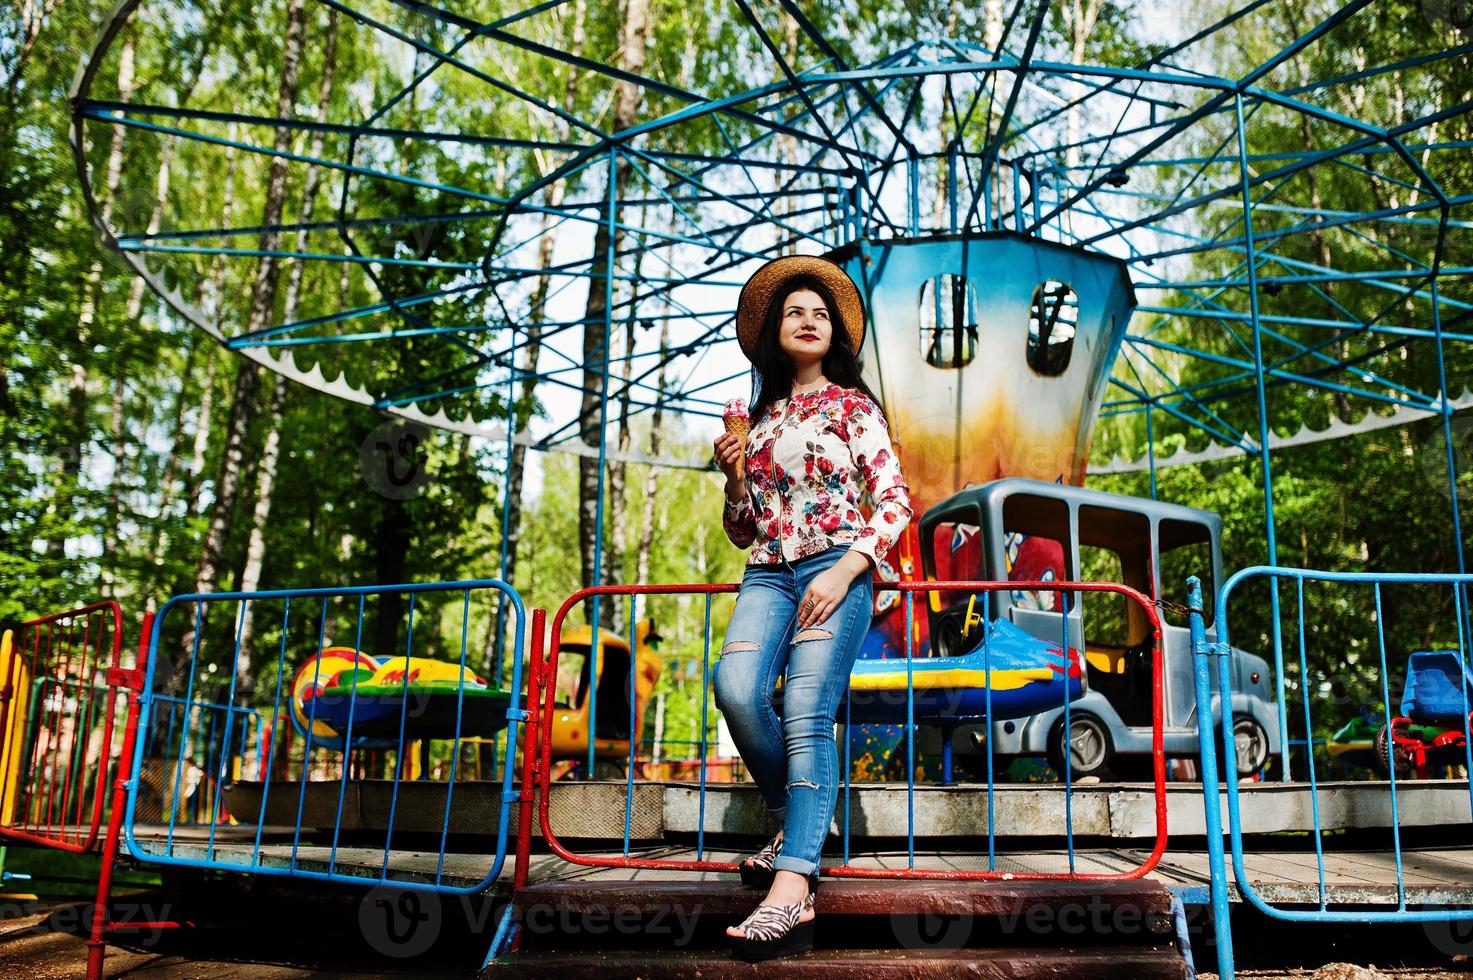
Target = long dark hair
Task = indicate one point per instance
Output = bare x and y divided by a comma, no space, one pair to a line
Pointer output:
773,369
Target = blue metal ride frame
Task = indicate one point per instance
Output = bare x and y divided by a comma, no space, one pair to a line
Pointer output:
149,698
811,91
1205,652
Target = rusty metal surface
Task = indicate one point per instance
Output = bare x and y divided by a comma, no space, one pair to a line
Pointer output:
990,964
851,897
667,927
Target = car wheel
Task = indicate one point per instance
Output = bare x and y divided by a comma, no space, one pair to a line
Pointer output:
1251,743
1089,747
1385,751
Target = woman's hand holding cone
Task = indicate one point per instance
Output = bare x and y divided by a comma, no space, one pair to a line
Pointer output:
729,451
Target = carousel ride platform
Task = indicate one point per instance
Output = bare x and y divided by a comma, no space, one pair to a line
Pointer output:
594,810
582,920
1113,824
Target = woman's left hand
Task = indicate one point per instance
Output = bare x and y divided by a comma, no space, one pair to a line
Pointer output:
828,589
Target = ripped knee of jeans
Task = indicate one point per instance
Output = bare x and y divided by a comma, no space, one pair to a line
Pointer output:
739,646
812,633
802,784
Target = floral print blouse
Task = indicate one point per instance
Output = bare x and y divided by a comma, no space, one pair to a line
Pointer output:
810,458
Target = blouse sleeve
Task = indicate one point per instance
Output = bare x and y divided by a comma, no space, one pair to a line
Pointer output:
879,467
739,520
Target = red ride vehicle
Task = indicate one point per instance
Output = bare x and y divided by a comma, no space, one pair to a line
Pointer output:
1438,694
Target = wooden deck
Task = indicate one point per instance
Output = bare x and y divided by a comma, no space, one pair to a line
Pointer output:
1439,875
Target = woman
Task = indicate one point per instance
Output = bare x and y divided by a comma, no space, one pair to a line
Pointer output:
818,441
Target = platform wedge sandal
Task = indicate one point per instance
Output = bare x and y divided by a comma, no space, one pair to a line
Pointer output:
757,871
774,930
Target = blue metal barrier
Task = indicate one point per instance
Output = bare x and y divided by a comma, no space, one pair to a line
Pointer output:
208,714
206,728
1457,742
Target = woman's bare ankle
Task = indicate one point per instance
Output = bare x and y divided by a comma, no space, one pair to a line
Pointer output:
788,888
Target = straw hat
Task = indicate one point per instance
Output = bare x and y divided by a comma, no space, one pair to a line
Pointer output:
769,281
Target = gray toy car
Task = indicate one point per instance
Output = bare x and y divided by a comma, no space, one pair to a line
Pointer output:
1012,528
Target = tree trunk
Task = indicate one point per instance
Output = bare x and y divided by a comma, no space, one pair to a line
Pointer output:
64,503
940,214
390,546
263,299
132,319
1323,256
1081,19
169,479
516,466
659,726
132,316
31,16
652,474
619,520
538,311
215,287
595,333
195,478
787,144
250,578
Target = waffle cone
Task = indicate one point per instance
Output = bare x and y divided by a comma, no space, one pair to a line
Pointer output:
739,426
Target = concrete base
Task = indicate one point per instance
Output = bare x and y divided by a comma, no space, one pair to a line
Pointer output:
595,810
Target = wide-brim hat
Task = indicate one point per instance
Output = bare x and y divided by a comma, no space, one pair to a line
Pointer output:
772,278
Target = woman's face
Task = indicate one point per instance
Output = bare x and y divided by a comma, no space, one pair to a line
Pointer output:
805,329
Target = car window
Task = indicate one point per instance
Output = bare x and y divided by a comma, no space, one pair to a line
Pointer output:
1186,549
1106,614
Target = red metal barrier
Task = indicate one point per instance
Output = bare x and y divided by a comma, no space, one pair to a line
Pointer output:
531,760
540,698
132,681
58,696
59,685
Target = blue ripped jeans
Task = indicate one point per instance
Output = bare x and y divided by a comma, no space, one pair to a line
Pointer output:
793,759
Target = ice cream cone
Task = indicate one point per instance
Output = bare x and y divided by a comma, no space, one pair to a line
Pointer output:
739,425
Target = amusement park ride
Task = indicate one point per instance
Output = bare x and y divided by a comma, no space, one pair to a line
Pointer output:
1042,246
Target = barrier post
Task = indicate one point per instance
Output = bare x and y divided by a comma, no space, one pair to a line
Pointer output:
130,680
531,764
1211,805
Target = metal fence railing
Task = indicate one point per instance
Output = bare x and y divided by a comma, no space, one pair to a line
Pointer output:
1336,659
295,733
66,695
59,709
910,693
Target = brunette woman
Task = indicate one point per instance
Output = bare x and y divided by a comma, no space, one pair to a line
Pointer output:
819,442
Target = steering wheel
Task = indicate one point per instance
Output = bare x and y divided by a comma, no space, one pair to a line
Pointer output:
972,618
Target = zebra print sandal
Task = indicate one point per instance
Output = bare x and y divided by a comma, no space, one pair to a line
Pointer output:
757,871
773,931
